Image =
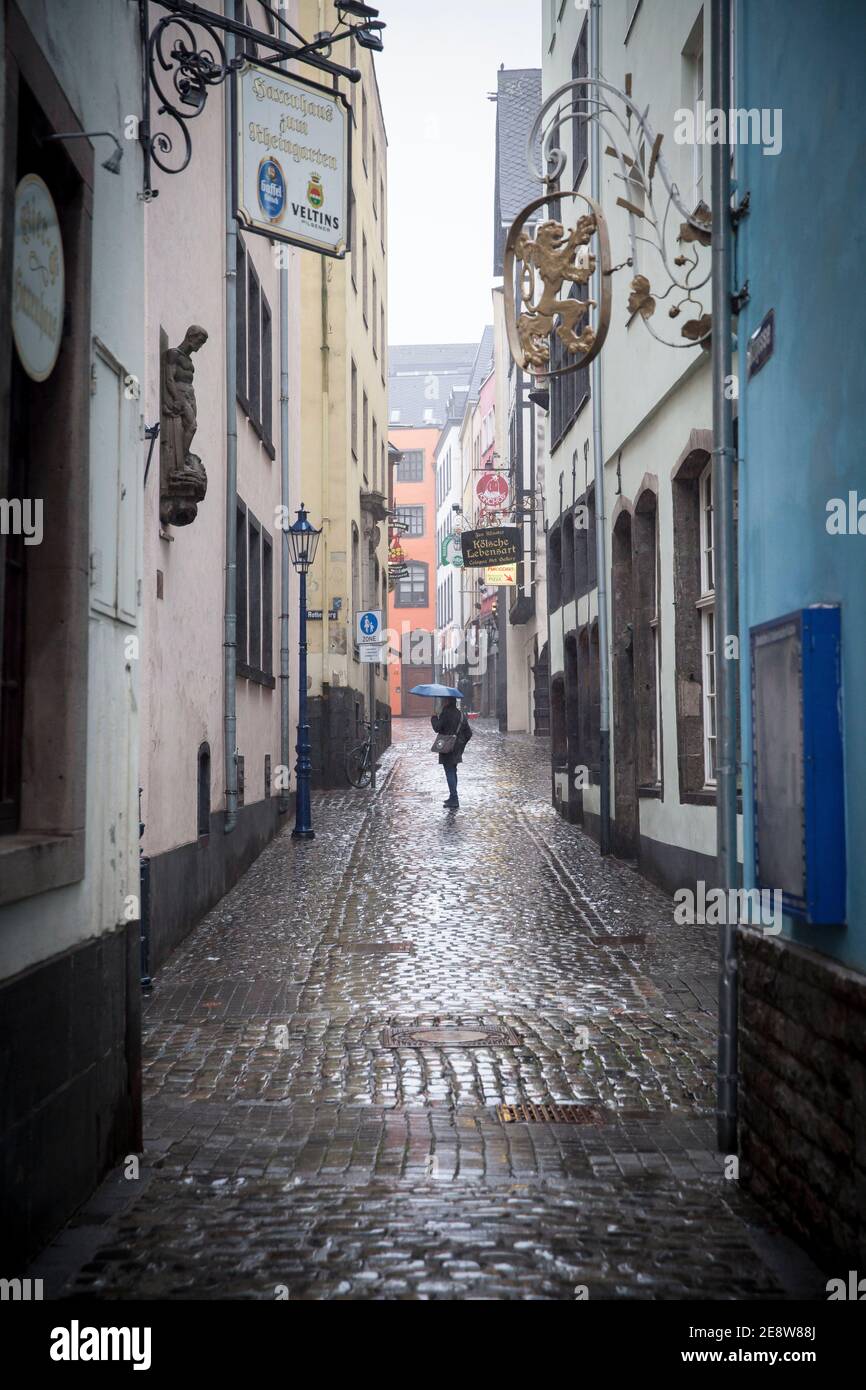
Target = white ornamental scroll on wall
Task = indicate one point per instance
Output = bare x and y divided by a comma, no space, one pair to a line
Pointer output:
553,324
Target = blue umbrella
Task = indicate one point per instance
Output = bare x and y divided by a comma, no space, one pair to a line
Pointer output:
436,692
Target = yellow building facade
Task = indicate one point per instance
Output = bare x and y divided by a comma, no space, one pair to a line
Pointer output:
344,430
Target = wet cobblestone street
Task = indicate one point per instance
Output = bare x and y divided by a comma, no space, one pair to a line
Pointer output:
297,1140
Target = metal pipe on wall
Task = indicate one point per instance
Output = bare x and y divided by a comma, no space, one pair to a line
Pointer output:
727,666
598,464
230,622
283,803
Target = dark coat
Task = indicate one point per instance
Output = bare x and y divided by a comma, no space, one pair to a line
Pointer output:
448,721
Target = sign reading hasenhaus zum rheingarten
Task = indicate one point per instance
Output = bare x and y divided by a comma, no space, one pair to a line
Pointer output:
293,161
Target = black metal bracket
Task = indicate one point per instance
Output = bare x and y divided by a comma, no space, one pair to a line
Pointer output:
740,299
741,210
181,65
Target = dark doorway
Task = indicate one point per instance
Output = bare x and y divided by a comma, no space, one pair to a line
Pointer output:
625,831
541,693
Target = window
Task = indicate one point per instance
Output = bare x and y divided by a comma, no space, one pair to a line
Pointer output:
255,601
410,469
364,278
706,608
267,376
569,393
374,191
698,97
241,325
241,584
203,809
366,427
413,519
411,590
579,128
352,258
375,310
365,128
354,409
382,338
382,208
254,351
254,583
554,569
693,93
374,458
254,348
267,604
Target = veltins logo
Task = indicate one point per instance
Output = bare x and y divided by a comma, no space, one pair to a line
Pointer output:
315,191
272,189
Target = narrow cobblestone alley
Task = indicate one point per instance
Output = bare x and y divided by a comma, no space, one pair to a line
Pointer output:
300,1142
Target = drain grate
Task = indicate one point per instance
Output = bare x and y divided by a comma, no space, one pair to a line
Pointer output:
531,1114
440,1034
375,948
637,939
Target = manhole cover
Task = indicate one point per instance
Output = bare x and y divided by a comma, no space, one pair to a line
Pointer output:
528,1113
448,1035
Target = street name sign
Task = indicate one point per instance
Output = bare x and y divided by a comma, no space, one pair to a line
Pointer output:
293,160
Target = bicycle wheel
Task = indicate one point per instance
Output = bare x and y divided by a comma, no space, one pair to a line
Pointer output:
358,766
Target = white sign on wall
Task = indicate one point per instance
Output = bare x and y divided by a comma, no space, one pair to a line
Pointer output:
38,278
293,160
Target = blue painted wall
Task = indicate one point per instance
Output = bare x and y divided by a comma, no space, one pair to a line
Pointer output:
802,418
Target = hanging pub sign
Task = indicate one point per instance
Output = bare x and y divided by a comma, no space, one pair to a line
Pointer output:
38,281
293,160
496,545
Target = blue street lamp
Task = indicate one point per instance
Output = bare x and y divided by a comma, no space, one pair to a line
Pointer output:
303,540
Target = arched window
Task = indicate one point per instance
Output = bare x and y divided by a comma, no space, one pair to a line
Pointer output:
412,588
204,789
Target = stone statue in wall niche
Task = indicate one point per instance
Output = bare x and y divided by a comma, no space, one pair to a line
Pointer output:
183,480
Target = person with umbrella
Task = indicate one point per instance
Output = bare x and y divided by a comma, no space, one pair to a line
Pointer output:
453,732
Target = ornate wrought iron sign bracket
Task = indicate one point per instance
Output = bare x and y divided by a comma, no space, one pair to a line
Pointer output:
185,56
538,266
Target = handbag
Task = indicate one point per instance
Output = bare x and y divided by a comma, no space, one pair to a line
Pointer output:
443,743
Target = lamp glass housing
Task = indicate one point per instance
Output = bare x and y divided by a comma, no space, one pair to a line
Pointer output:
303,542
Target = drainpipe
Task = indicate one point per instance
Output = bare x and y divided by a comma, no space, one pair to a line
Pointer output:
230,606
726,614
283,802
598,461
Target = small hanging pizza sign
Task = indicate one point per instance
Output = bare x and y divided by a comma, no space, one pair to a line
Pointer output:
38,278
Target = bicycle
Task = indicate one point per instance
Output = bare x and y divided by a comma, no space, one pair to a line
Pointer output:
359,761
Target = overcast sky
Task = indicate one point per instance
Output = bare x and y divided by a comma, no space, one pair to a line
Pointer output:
439,63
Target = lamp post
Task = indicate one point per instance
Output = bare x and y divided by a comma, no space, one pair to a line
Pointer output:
303,540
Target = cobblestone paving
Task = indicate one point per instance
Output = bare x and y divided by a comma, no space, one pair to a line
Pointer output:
297,1140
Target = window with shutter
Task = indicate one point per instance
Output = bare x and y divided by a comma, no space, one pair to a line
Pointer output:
267,377
242,326
254,339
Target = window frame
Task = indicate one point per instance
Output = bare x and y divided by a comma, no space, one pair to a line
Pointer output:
413,566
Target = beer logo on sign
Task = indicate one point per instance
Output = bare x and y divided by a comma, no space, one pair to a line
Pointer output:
272,189
315,191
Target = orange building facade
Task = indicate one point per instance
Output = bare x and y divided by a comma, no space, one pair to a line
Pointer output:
412,601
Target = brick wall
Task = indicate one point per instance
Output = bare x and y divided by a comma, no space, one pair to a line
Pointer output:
803,1093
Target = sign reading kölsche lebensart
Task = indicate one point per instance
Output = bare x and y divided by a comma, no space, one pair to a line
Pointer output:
496,545
292,160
